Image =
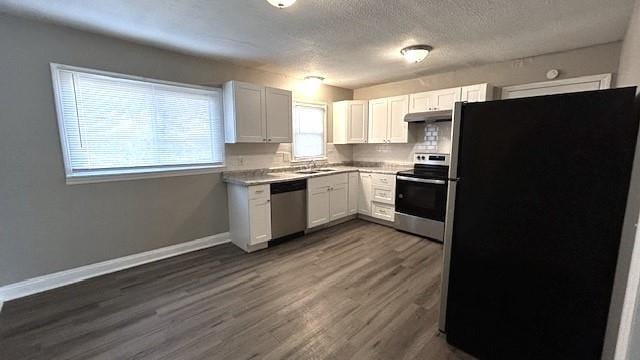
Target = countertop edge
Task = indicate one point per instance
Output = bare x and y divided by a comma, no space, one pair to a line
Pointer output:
291,176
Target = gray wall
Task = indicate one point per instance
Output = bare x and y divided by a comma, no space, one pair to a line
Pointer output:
585,61
48,226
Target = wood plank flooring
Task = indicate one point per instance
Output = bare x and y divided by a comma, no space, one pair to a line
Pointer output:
354,291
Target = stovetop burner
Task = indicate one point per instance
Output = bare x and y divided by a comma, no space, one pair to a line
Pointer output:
429,166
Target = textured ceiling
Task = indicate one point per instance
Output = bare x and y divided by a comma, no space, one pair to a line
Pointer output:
351,42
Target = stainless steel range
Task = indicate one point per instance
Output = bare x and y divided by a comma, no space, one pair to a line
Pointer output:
421,196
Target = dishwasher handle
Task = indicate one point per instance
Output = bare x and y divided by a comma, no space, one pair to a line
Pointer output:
288,186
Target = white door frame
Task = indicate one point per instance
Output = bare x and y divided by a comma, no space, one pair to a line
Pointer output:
603,79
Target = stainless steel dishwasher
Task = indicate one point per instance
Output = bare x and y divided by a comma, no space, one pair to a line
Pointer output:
288,209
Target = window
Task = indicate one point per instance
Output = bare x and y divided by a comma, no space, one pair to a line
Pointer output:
116,126
308,131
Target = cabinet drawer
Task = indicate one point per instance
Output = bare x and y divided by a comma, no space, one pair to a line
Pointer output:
328,180
384,194
259,192
383,211
384,180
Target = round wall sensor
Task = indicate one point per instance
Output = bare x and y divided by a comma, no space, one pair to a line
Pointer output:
552,74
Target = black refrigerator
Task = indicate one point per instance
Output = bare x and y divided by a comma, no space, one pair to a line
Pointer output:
534,217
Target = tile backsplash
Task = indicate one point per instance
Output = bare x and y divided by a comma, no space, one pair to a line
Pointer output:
260,156
433,137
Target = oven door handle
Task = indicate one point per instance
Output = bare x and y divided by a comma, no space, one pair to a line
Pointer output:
424,181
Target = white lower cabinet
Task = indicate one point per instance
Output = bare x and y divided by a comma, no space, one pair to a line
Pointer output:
364,194
249,216
354,179
319,205
383,189
260,220
383,211
327,199
338,201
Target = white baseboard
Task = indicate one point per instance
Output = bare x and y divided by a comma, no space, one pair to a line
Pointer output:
66,277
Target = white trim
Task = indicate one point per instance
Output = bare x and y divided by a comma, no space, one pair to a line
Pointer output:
604,79
67,277
1,303
629,310
136,174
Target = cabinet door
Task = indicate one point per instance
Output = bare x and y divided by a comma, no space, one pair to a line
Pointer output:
383,211
318,208
378,123
398,128
353,193
279,115
260,220
339,201
421,102
445,99
364,194
250,117
476,93
357,119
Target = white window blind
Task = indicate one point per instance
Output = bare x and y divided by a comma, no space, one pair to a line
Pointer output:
309,131
112,124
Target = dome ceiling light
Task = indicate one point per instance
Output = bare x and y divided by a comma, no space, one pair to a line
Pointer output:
281,4
416,53
314,80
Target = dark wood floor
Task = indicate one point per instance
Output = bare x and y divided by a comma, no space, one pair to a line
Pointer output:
354,291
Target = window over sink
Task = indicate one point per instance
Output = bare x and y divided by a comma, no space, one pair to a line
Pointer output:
309,131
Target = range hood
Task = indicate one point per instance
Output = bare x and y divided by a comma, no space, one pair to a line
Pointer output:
429,116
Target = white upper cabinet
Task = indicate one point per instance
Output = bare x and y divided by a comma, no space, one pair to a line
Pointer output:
420,102
279,115
244,112
378,120
386,120
256,114
445,99
350,119
477,93
434,100
398,128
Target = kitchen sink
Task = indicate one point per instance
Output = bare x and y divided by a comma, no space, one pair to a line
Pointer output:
307,171
325,170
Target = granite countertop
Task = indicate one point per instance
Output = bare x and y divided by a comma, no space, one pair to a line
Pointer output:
270,176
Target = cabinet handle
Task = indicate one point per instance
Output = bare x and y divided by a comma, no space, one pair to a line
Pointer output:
268,200
259,191
264,140
269,140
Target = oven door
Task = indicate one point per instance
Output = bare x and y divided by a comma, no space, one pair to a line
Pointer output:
425,198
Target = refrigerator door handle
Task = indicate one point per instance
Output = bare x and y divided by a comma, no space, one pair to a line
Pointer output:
450,210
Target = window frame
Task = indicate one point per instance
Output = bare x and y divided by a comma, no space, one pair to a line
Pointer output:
323,106
133,173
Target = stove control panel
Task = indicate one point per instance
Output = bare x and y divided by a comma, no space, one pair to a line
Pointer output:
431,159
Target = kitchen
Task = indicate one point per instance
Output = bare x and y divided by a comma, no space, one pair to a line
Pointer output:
308,205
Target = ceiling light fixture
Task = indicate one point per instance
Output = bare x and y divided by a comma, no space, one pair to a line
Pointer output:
314,80
416,53
281,3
